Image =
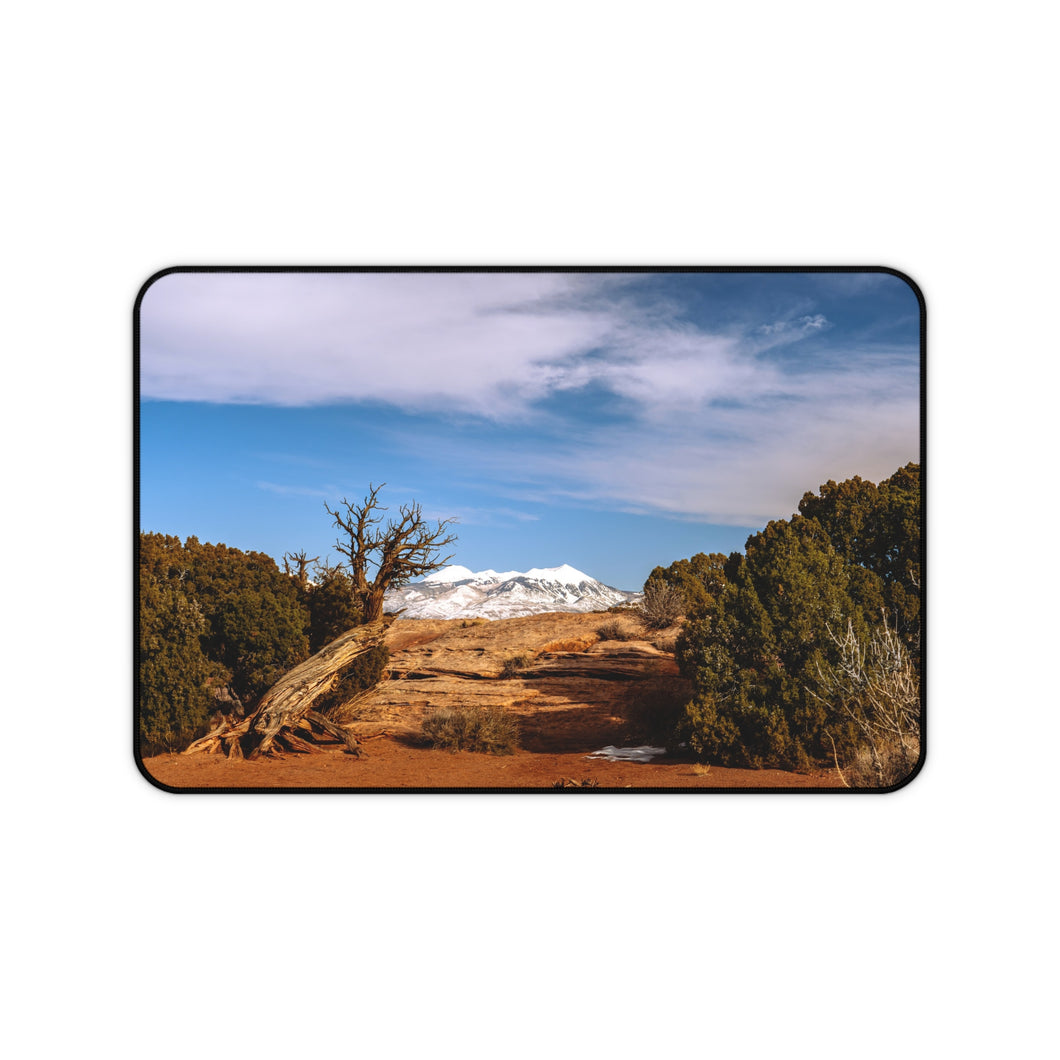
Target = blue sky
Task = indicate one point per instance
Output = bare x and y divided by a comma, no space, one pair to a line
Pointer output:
613,421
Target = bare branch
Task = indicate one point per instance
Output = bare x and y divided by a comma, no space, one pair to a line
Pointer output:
301,562
405,549
877,688
361,540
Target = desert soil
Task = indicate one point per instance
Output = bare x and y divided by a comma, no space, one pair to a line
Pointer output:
577,694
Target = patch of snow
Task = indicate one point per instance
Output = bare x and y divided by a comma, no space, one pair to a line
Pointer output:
628,754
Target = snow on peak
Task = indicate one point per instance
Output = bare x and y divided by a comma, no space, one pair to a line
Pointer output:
453,573
493,577
564,574
458,592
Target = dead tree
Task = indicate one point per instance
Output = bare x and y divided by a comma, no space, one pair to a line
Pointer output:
284,719
401,551
300,562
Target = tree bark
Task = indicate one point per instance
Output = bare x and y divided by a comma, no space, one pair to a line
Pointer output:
288,705
373,605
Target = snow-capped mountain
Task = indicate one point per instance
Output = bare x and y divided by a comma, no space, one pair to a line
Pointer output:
457,592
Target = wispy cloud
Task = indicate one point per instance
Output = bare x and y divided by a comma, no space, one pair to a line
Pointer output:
736,452
748,466
802,325
471,516
718,419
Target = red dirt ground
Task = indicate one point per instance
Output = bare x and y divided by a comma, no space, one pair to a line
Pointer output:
577,693
390,763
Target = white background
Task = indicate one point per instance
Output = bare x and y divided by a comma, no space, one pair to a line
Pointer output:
143,136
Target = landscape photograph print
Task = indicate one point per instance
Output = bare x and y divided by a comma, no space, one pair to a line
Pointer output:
529,530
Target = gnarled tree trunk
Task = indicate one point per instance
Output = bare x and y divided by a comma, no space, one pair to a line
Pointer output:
284,719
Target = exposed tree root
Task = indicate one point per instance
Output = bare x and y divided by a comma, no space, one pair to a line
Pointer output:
284,721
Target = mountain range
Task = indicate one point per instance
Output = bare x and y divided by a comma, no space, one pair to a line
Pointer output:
457,592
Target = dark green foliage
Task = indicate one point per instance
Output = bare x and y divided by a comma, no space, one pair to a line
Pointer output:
331,606
210,616
259,636
486,729
757,638
878,528
175,677
366,671
256,624
753,653
699,580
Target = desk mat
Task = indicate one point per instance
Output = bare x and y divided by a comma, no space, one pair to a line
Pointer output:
529,529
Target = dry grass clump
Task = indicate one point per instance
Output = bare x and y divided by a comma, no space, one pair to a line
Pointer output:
488,730
514,663
616,630
474,622
666,642
570,644
891,765
699,769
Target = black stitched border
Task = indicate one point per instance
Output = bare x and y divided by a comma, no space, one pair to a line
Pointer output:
761,269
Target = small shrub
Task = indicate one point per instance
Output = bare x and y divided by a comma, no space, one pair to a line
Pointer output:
485,729
666,642
514,663
662,605
615,630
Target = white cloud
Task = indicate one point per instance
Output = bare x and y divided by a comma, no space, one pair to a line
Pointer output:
486,344
717,427
739,464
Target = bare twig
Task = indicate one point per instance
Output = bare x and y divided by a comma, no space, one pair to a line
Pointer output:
835,756
875,685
